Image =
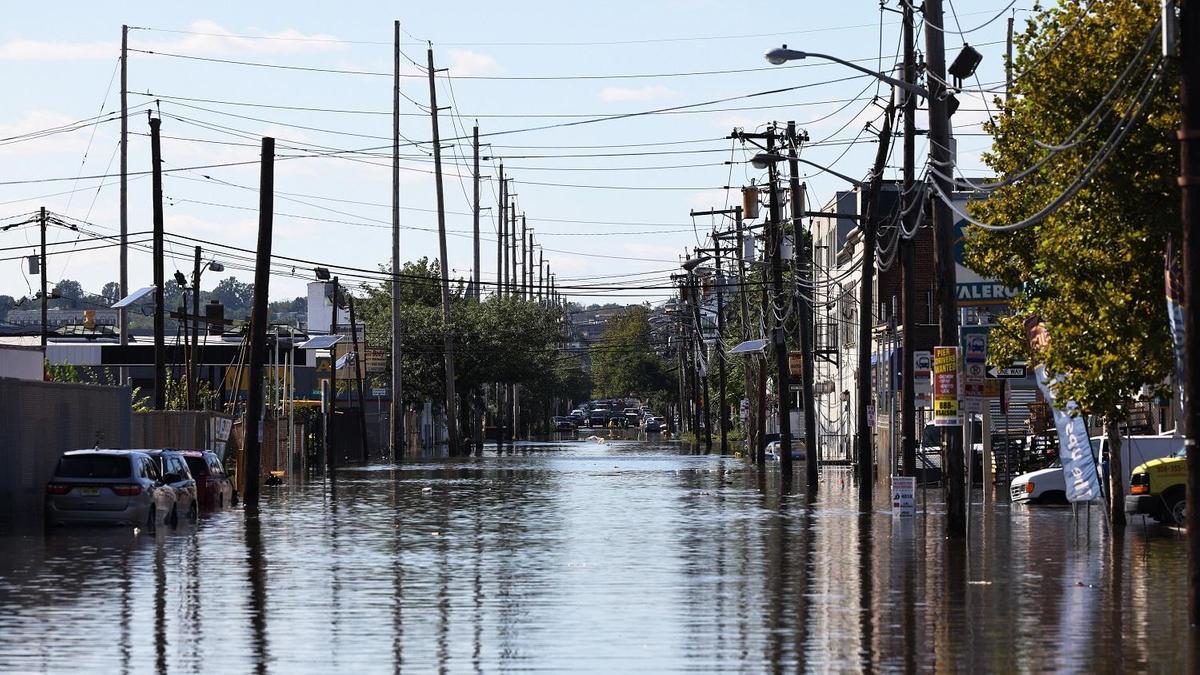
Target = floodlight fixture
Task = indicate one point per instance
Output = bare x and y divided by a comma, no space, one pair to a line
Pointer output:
322,273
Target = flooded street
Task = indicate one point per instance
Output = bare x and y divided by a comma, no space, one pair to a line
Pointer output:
576,556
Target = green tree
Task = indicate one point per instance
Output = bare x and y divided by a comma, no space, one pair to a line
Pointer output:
70,292
235,295
1093,269
111,292
625,361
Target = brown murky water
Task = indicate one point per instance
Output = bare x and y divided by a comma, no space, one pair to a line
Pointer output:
572,556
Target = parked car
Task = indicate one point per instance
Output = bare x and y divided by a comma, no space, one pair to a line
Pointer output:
652,426
118,487
213,487
175,475
578,417
563,424
1048,486
796,447
598,417
1158,489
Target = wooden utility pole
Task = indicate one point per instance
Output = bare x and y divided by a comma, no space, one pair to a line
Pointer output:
122,317
1008,65
160,348
1189,182
703,399
330,458
475,209
774,319
45,294
258,324
866,315
396,412
447,333
943,230
512,247
802,257
524,257
910,221
723,409
358,380
541,279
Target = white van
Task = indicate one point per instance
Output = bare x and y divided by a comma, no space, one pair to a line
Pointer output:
1048,486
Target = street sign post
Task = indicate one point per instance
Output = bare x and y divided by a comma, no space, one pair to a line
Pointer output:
974,339
922,385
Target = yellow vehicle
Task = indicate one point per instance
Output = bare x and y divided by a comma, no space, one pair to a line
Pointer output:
1157,489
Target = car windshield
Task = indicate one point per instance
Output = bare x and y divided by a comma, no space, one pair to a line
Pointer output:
93,466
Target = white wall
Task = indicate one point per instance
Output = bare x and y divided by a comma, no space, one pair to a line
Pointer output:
21,363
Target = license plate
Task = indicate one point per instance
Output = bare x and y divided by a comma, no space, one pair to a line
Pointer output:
90,491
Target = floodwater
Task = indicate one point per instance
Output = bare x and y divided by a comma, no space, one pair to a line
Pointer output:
574,556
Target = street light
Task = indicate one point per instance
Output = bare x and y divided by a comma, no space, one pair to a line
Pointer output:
783,55
765,160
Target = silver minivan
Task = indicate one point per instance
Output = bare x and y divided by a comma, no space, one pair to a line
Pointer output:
119,487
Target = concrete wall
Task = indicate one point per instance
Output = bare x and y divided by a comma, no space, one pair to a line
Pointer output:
22,363
41,420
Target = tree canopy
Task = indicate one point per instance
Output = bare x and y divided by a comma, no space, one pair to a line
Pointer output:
625,361
1093,269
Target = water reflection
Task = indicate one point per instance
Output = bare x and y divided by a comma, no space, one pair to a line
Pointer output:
563,556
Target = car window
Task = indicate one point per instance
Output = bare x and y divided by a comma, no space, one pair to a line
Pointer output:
93,466
214,467
150,469
196,465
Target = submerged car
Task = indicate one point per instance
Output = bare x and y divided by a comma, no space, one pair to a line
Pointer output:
563,424
117,487
175,475
213,487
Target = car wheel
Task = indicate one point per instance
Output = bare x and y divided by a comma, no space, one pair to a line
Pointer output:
173,519
1177,511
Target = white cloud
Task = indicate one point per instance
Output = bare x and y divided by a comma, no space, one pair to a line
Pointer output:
648,93
206,38
466,63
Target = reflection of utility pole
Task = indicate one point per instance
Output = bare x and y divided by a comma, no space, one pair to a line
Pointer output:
943,229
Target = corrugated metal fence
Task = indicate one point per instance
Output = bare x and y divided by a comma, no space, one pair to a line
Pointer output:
41,420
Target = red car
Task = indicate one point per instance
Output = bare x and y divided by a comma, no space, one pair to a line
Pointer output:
212,484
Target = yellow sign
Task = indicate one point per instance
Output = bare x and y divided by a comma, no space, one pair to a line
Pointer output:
945,387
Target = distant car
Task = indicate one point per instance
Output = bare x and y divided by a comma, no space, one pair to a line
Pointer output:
797,450
652,426
213,487
175,475
598,418
563,424
118,487
578,417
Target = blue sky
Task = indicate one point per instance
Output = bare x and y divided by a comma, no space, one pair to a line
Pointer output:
600,200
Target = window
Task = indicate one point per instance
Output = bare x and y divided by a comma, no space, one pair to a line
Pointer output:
197,466
93,466
150,469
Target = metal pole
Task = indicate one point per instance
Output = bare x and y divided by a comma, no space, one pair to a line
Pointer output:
45,294
122,317
775,320
908,428
398,441
330,461
258,324
160,349
447,333
704,400
500,236
943,229
803,259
